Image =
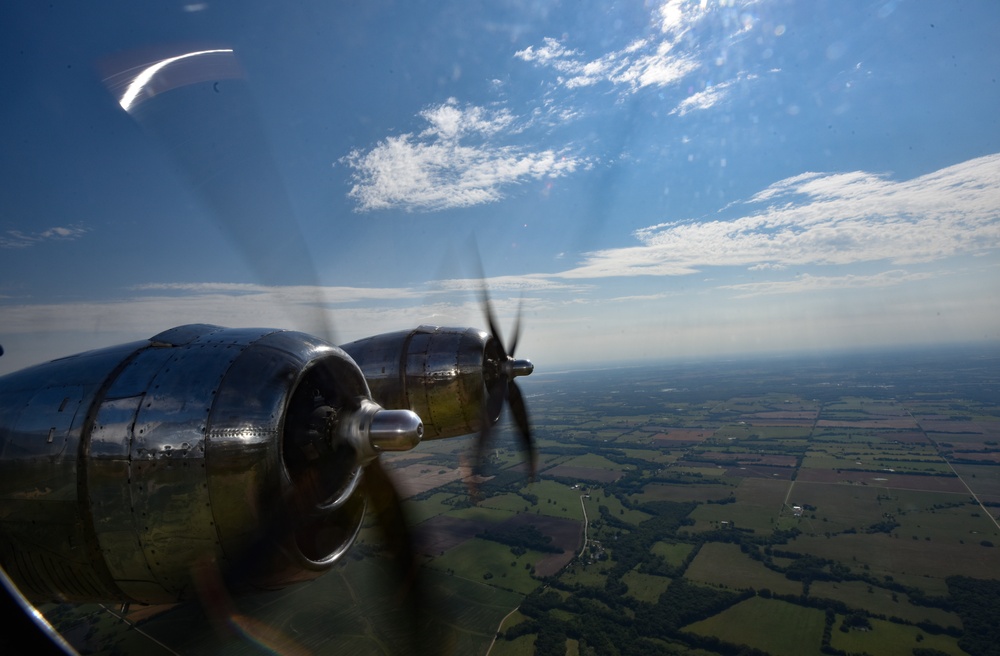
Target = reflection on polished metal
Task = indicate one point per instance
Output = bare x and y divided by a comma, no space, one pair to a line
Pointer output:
33,632
370,430
436,372
446,375
121,469
395,430
514,368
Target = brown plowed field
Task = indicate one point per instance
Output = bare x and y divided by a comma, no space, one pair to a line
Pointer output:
901,422
419,477
441,533
951,426
584,473
685,434
565,533
781,418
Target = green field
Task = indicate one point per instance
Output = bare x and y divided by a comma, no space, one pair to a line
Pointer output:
598,498
522,646
645,587
837,507
760,502
594,575
512,503
432,506
882,601
891,639
492,563
913,562
481,512
777,627
593,461
724,565
556,499
672,552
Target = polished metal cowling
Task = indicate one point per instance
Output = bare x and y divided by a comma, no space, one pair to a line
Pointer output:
442,374
125,471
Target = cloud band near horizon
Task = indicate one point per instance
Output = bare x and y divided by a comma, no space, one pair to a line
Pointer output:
825,219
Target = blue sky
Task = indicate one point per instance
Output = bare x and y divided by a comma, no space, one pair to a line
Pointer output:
650,180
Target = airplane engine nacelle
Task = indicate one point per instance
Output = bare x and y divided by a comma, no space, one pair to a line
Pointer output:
444,375
121,469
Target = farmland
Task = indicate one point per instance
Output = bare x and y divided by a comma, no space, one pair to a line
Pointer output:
789,507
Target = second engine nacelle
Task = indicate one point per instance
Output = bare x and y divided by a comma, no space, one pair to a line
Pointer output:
445,375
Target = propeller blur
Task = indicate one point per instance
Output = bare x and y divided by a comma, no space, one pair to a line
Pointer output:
144,472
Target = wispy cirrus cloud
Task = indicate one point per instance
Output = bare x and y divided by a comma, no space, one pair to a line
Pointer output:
826,219
469,155
341,314
533,282
710,96
639,65
677,49
288,294
810,283
459,160
21,239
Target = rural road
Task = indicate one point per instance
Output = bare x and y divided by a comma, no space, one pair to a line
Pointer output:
586,524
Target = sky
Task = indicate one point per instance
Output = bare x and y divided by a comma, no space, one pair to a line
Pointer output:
640,180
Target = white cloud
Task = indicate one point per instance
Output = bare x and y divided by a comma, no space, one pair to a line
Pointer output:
641,298
827,219
766,266
710,96
810,283
462,159
306,294
448,121
551,51
523,283
659,60
144,315
341,314
453,163
20,239
641,64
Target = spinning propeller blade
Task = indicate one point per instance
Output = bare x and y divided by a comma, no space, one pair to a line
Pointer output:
198,106
499,371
